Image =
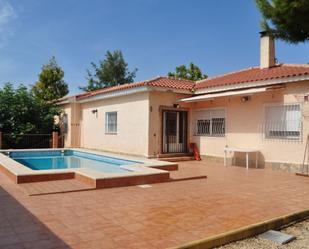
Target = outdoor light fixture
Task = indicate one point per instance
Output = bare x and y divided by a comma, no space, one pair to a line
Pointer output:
94,111
245,98
176,105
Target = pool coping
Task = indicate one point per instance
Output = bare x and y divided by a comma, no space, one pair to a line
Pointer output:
151,171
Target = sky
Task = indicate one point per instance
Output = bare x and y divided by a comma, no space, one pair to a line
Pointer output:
155,36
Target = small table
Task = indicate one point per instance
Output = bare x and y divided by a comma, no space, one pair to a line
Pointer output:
243,150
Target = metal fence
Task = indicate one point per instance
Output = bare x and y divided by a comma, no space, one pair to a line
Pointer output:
26,141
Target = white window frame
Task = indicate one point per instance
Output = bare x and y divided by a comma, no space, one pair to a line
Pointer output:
195,120
265,129
107,124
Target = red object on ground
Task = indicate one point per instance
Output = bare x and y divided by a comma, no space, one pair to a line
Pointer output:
196,153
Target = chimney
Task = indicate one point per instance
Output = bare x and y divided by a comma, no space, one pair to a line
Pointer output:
267,51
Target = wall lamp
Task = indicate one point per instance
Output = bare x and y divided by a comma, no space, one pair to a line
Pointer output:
245,98
94,111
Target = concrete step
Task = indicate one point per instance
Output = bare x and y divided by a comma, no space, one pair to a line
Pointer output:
177,159
169,155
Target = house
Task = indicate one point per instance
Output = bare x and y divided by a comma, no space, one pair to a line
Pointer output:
265,108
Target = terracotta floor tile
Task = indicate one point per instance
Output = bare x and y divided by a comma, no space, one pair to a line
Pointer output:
7,240
165,215
71,239
13,246
6,231
46,244
34,236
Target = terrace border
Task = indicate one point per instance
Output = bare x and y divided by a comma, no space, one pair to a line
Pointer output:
8,173
244,232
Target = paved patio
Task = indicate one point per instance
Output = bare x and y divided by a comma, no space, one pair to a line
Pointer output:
168,214
52,187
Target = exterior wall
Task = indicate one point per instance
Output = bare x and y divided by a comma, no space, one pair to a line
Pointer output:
72,138
140,124
157,101
75,125
132,121
244,125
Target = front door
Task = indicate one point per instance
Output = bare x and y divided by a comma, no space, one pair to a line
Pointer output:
174,131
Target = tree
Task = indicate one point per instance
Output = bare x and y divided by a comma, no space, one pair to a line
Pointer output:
23,113
112,71
16,110
285,19
50,85
193,72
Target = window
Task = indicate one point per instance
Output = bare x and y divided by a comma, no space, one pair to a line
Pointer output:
283,121
210,122
111,122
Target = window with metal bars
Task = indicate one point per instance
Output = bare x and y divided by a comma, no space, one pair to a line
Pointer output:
210,122
111,122
283,121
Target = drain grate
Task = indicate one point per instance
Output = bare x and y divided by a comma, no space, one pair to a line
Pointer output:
278,237
145,186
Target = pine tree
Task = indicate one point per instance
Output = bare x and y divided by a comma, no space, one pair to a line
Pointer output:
112,71
193,72
50,85
285,19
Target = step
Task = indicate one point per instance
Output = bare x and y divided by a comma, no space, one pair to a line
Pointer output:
170,155
177,159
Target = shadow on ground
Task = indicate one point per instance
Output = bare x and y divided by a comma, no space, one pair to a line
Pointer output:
20,229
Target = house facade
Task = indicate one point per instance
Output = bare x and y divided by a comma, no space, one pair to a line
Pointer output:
264,108
127,118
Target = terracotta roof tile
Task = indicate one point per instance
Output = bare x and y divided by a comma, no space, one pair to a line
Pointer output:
164,82
254,74
247,75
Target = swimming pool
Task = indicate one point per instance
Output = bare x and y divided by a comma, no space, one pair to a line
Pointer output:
70,159
93,168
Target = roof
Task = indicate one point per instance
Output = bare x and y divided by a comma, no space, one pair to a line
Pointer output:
164,82
254,74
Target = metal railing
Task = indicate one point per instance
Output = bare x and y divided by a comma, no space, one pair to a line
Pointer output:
283,122
286,129
26,141
210,127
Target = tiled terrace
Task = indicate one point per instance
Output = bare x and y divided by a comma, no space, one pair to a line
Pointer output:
168,214
51,187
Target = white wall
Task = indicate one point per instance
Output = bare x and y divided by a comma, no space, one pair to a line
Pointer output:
244,125
132,115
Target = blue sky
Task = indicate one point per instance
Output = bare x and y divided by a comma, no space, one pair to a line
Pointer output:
154,35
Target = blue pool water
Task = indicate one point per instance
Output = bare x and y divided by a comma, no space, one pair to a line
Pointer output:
47,160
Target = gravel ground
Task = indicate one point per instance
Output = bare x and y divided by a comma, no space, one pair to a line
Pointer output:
300,230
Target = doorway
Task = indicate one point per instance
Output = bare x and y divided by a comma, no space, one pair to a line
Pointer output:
175,126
